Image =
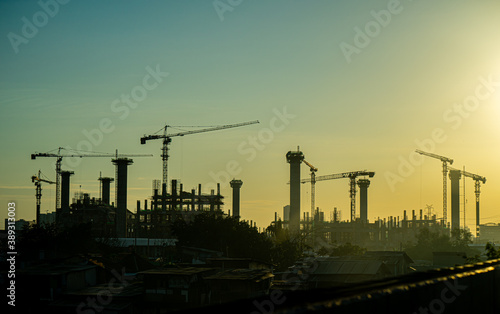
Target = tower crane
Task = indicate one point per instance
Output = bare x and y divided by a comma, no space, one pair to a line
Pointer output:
352,183
313,187
477,189
79,154
167,138
445,161
38,184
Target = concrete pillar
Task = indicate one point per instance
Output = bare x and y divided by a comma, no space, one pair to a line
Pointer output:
173,192
455,176
363,199
193,196
65,190
294,159
199,198
105,189
121,196
236,186
164,197
218,197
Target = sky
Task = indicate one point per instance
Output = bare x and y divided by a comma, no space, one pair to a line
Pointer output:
357,86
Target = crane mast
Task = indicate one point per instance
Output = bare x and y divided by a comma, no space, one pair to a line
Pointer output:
38,187
445,161
167,139
313,187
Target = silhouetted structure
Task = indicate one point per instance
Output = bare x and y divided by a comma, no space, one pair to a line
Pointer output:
236,185
155,218
352,175
62,214
455,176
294,159
105,189
363,199
121,195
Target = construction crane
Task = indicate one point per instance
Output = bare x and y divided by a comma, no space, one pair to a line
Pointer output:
445,161
38,184
477,188
313,188
352,183
79,154
167,138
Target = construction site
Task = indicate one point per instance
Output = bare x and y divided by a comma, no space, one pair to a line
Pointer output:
388,233
168,272
169,201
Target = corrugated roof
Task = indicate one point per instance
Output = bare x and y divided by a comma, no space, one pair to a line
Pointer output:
242,274
391,257
348,267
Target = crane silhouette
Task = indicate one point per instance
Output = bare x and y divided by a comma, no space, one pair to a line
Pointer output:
79,154
167,138
38,187
352,183
445,161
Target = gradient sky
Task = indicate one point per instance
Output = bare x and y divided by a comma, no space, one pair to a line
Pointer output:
245,64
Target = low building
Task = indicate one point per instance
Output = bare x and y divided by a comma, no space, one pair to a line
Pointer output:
176,288
116,296
489,233
197,255
338,272
235,263
45,283
236,284
152,248
398,262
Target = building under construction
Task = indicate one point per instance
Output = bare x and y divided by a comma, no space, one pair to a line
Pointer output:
156,219
152,220
382,234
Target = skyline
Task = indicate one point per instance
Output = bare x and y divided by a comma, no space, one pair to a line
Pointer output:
430,73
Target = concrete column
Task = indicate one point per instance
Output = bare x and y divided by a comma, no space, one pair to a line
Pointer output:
121,196
363,199
65,190
236,185
294,159
455,176
105,189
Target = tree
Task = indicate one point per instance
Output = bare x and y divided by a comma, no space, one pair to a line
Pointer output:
491,252
286,249
225,234
434,241
347,249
